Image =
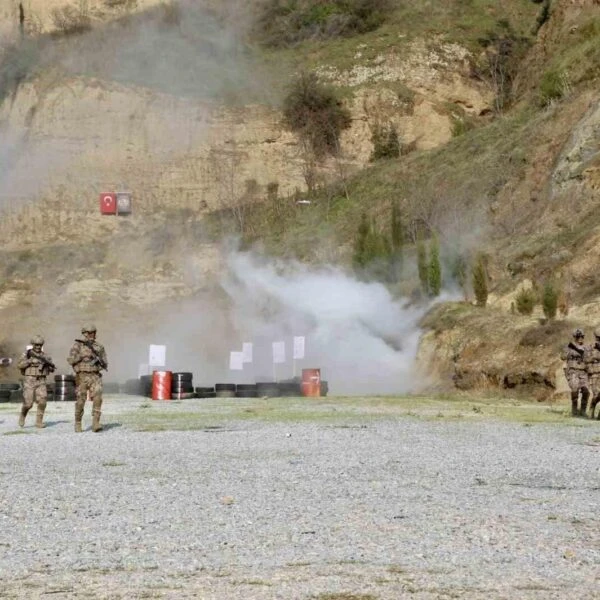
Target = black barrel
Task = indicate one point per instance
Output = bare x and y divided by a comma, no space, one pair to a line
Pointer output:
182,395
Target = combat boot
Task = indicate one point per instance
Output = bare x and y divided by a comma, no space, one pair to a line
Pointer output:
39,419
96,421
78,417
574,411
585,394
24,411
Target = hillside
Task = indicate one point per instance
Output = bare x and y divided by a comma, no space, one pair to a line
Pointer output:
498,115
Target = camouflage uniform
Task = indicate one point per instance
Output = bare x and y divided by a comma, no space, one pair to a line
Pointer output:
576,372
592,361
35,366
86,358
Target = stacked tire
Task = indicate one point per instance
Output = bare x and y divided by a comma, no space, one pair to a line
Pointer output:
205,392
246,390
7,390
64,388
268,389
290,389
146,385
225,390
111,388
182,387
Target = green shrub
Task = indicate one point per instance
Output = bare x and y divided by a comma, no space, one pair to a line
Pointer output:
386,143
525,301
422,265
480,286
434,269
288,22
552,87
315,113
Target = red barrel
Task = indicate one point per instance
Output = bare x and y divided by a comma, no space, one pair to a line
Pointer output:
311,383
161,385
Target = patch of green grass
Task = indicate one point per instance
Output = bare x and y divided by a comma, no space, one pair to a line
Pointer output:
351,412
18,432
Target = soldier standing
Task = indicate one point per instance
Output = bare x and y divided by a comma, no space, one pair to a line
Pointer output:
88,359
592,360
576,373
35,366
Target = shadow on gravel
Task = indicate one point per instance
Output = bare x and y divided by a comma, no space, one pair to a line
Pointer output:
109,426
54,423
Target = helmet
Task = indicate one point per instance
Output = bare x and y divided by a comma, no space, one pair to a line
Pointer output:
88,329
578,333
37,340
597,332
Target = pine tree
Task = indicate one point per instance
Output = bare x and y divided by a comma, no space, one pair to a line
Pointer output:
434,269
397,242
550,300
480,286
422,264
359,259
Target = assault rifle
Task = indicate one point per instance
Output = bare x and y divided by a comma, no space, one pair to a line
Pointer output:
580,351
97,359
45,362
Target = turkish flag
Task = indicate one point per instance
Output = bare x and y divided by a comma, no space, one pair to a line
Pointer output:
108,204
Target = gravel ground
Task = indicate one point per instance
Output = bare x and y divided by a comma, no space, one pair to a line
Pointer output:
373,510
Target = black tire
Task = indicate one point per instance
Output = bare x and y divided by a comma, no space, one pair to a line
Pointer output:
183,376
111,388
246,394
9,387
225,387
183,396
4,395
209,395
184,387
63,378
64,389
64,398
246,387
225,394
204,390
16,396
324,388
270,390
290,389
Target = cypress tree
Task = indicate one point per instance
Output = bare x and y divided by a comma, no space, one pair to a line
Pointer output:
422,264
397,242
480,287
359,259
434,269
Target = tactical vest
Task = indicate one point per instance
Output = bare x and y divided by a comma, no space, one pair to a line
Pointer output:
592,360
39,370
88,363
574,359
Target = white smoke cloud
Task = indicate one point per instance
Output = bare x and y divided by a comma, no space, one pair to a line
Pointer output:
364,340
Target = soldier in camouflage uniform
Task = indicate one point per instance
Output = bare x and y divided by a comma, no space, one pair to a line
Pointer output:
592,361
88,359
35,366
576,373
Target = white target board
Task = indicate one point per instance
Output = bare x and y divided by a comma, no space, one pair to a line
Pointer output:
236,361
157,355
299,347
247,349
